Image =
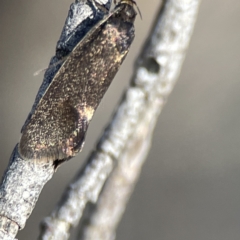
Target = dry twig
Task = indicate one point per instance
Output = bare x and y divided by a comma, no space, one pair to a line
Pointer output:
122,149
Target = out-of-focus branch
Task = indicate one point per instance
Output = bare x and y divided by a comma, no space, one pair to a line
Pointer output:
126,141
155,75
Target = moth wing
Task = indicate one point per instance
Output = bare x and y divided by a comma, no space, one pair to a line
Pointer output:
58,136
59,123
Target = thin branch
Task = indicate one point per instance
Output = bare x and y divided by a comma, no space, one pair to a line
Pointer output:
21,186
126,141
155,77
24,179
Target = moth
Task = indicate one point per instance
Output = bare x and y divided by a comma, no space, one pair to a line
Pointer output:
57,128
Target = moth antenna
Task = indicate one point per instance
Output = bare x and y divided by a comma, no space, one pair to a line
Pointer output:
138,9
43,70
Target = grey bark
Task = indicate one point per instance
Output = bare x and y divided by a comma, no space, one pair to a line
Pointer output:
122,149
21,186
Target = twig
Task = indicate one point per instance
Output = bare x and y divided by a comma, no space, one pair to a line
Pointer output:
24,179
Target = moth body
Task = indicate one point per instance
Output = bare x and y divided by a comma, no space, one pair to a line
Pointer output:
57,127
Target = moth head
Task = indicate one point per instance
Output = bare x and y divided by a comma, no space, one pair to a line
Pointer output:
130,12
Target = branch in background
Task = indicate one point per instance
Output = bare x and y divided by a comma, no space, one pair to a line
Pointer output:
126,141
24,179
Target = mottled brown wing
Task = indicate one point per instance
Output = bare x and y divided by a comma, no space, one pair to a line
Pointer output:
57,128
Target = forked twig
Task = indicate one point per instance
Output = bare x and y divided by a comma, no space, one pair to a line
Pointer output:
122,149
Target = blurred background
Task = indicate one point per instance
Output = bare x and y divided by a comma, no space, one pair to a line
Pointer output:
190,184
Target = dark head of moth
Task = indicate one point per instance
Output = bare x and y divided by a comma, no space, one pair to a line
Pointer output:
57,127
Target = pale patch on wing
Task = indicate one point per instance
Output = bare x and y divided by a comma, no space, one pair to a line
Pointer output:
86,111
